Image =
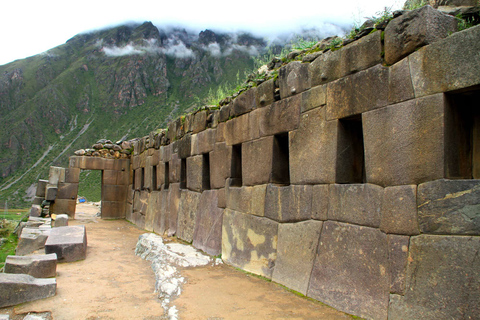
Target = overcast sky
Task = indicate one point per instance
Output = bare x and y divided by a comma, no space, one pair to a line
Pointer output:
29,27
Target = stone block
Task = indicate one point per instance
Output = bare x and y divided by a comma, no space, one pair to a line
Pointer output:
435,69
37,266
288,204
135,162
20,288
35,210
166,153
207,233
264,94
160,175
356,203
397,257
138,179
350,272
397,152
220,135
293,79
249,200
94,163
66,206
257,161
156,156
313,149
220,165
41,187
296,249
356,56
30,240
51,192
314,98
320,199
238,130
67,191
147,179
442,281
416,29
61,220
222,201
72,175
200,121
140,202
175,169
114,192
38,200
244,103
399,210
400,87
56,175
249,242
159,219
203,142
184,146
77,162
187,212
123,177
171,215
281,116
195,173
69,243
449,207
225,112
153,209
109,177
113,209
358,93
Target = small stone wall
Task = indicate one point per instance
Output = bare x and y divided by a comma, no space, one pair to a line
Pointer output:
355,185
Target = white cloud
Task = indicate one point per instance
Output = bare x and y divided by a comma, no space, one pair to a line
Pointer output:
123,51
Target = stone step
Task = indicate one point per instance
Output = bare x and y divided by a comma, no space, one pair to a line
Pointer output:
38,266
69,243
20,288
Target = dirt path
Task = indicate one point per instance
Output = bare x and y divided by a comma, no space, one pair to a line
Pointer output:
113,283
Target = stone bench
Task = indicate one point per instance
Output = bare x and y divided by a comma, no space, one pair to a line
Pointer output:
69,243
38,266
20,288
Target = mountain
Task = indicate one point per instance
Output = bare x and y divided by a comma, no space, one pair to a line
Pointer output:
116,83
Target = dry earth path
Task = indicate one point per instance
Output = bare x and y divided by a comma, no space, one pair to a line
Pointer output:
113,283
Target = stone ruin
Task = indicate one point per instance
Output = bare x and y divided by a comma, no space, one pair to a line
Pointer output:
352,179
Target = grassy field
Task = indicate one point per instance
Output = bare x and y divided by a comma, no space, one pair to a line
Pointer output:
8,221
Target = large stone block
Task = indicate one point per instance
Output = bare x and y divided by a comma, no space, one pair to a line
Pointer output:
296,249
67,191
265,93
138,179
220,135
187,212
443,279
238,130
114,192
249,200
69,243
358,93
449,207
175,169
249,242
94,163
35,210
113,209
37,266
244,103
435,69
64,206
257,161
399,210
397,257
147,179
416,29
200,121
281,116
288,204
159,220
220,165
72,175
203,142
109,177
293,79
207,234
313,149
359,55
184,146
171,215
56,175
350,272
160,175
314,98
140,202
356,203
320,199
41,187
31,239
404,143
20,288
38,200
153,208
77,162
197,179
51,192
400,87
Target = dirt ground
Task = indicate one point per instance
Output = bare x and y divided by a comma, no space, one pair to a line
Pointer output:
113,283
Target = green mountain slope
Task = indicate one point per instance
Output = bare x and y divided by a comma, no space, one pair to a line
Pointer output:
118,83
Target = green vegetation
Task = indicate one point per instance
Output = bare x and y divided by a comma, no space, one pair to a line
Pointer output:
464,23
8,239
414,4
90,185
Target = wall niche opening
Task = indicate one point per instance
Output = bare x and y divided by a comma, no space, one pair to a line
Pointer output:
183,173
167,176
236,166
142,179
462,135
350,165
281,159
154,177
206,172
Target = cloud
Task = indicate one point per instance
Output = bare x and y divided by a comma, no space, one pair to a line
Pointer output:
128,50
214,49
178,49
174,47
251,50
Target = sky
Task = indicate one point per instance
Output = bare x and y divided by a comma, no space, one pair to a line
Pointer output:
30,27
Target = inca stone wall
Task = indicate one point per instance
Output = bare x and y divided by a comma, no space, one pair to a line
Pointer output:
350,179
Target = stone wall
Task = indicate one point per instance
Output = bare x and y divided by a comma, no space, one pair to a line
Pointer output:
355,186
